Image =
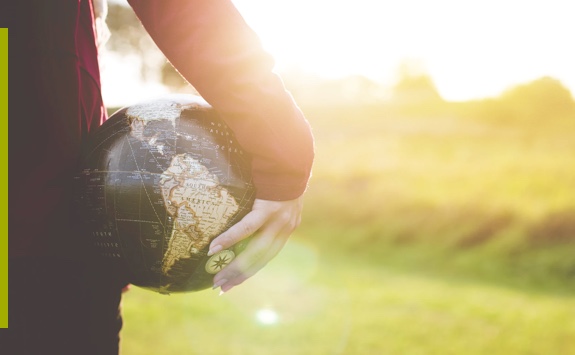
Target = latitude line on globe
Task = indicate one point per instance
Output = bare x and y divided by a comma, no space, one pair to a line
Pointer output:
135,220
111,136
115,207
141,180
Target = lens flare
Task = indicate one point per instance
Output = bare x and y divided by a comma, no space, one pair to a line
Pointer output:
267,316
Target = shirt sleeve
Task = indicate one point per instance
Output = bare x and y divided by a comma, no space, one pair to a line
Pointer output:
213,48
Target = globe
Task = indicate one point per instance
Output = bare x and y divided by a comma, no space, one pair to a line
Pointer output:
159,181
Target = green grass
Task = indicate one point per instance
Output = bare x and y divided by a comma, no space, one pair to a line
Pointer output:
433,230
441,173
329,304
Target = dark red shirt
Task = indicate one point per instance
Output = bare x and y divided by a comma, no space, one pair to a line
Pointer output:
54,98
54,101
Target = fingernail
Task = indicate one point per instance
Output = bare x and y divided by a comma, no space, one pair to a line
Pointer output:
219,283
221,293
214,250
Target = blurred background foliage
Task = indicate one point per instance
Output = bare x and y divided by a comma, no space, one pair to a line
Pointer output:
430,227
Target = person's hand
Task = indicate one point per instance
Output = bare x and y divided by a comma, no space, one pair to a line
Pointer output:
271,223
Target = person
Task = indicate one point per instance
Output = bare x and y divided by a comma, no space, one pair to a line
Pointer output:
61,300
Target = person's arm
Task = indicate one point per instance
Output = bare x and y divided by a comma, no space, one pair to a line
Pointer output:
210,44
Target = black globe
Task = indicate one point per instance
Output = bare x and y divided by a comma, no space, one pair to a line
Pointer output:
159,181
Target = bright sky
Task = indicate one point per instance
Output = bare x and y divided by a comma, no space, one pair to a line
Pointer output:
471,48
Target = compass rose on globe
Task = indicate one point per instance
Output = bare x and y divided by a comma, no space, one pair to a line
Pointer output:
218,261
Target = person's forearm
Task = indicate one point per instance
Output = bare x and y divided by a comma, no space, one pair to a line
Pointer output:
209,43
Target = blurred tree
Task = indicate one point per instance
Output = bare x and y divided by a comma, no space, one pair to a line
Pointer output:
539,99
129,35
414,85
172,78
129,38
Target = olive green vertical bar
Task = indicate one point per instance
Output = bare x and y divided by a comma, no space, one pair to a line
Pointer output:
4,178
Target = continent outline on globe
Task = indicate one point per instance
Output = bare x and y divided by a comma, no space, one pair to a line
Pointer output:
160,180
191,195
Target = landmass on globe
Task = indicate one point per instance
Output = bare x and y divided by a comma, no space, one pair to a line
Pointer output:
200,206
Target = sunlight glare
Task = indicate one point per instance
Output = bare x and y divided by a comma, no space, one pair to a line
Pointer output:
471,49
267,316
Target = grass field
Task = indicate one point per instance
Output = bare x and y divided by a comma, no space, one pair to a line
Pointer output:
327,305
437,230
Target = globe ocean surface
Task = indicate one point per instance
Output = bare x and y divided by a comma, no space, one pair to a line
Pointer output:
159,181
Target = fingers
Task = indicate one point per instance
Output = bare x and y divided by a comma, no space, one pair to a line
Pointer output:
270,223
251,222
259,252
